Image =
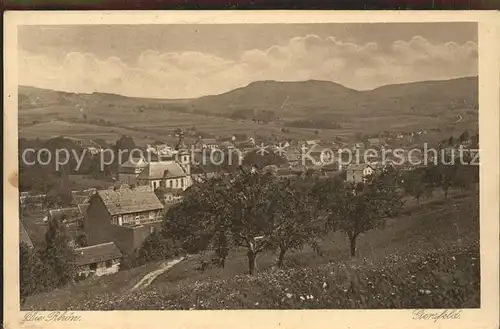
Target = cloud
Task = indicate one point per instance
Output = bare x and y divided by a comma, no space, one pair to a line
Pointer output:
193,74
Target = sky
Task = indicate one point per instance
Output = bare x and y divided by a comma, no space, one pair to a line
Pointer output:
192,60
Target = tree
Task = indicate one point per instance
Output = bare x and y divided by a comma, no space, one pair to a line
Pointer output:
125,143
296,217
416,184
29,263
192,221
226,213
465,176
464,136
59,254
259,160
354,211
34,275
58,197
474,142
442,176
156,247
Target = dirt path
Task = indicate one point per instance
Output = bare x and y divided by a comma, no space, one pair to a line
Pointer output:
148,278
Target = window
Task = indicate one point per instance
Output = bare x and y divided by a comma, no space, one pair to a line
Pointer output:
109,263
182,182
151,229
170,183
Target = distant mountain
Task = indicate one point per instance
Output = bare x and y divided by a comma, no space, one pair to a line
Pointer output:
323,97
278,96
304,99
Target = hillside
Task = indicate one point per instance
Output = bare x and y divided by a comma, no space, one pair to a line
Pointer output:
412,252
282,97
308,98
430,104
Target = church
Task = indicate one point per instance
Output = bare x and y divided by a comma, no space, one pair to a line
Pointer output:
172,172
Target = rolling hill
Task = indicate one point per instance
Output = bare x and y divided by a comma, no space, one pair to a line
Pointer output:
421,104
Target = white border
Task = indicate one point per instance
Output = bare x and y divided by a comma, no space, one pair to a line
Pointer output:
489,73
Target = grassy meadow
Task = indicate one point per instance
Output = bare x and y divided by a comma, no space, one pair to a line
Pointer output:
425,258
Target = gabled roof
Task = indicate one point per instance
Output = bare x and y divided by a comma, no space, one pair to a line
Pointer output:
97,253
162,169
24,236
126,200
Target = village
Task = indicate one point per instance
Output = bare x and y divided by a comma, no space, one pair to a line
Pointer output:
106,224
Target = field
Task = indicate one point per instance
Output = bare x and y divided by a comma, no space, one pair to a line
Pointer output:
426,258
448,105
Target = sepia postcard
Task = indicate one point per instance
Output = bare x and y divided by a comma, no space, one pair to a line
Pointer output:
251,169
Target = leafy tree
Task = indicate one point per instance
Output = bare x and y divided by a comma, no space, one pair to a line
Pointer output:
29,265
260,161
415,184
125,143
59,254
442,176
226,213
475,142
191,222
464,136
296,218
465,176
156,247
34,275
355,211
58,197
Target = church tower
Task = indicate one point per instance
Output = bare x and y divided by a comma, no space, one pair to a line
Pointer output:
183,155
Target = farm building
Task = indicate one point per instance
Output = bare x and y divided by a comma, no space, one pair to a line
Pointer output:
125,216
101,259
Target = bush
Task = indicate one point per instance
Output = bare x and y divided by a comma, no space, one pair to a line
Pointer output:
154,248
34,275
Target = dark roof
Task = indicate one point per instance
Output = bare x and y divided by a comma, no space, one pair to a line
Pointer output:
126,200
162,169
97,253
24,236
68,214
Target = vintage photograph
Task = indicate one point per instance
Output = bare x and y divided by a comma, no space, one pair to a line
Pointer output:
263,166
